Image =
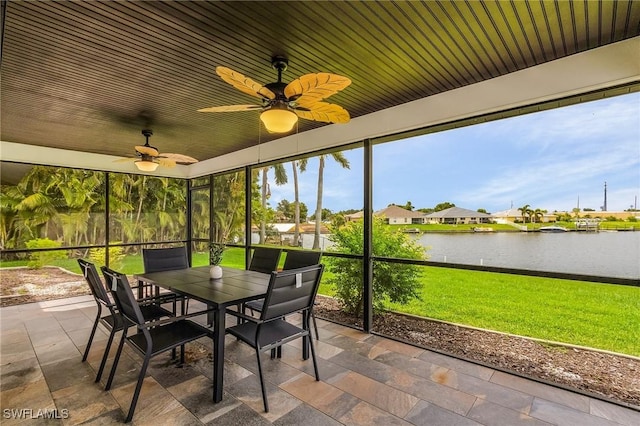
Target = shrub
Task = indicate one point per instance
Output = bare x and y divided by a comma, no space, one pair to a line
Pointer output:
116,256
392,282
40,258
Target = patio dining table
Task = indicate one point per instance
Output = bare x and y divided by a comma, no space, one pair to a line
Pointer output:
236,286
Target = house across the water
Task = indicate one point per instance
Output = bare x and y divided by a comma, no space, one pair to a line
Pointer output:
457,216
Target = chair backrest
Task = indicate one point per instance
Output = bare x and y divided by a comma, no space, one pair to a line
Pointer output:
265,259
95,283
165,259
298,259
291,291
120,289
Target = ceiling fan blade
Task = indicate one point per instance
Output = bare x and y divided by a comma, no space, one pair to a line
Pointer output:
126,159
312,88
244,84
166,162
178,158
148,150
230,108
325,112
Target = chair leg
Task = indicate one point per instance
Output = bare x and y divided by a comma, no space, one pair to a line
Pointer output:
105,355
93,333
315,325
116,359
136,393
313,356
264,389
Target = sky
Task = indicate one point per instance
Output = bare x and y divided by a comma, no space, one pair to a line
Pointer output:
554,160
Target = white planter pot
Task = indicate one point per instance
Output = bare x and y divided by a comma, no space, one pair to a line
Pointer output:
215,272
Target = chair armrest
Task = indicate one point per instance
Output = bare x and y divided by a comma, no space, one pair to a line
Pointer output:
244,316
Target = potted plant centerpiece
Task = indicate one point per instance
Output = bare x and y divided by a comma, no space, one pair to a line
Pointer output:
215,257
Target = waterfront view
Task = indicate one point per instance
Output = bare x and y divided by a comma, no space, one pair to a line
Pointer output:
604,254
607,254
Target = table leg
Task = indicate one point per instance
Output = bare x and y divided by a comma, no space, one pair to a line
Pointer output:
218,353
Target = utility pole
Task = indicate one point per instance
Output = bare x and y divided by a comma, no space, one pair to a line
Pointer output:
605,196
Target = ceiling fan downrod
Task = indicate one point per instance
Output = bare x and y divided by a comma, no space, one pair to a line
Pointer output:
279,63
147,133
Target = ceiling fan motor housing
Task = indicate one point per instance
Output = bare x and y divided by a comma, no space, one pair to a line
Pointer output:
279,63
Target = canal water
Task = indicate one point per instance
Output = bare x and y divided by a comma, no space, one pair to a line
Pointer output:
609,254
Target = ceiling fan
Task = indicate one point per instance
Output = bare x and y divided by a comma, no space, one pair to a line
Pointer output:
282,104
148,158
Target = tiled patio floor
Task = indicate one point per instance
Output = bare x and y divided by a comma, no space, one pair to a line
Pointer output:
366,380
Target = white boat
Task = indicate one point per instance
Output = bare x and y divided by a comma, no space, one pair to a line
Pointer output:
553,228
483,229
411,230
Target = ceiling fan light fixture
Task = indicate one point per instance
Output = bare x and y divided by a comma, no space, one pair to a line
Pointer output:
146,166
278,119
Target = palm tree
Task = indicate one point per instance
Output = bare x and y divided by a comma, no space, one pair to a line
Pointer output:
142,195
200,210
78,195
295,165
530,214
228,200
340,159
537,214
281,179
120,202
37,208
524,210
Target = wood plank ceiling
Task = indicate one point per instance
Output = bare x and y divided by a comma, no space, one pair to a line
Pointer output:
88,76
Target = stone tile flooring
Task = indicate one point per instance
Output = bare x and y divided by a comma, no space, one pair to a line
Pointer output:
366,380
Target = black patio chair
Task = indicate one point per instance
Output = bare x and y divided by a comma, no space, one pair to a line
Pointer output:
112,322
151,339
295,259
300,258
265,259
289,292
166,259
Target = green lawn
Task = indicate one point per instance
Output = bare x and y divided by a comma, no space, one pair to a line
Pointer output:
603,316
132,264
